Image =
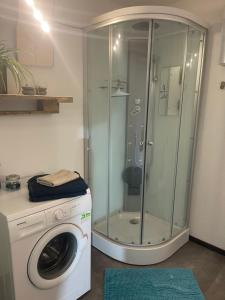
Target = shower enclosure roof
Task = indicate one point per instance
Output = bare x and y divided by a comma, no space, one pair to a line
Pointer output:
141,12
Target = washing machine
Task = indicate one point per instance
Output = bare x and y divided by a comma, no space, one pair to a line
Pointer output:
44,247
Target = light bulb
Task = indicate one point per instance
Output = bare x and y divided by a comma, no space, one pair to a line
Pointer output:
119,36
45,27
114,48
38,15
117,42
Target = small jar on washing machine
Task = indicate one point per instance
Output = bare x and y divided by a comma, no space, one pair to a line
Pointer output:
12,182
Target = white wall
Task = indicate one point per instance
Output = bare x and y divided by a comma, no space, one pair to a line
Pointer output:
208,10
208,198
30,144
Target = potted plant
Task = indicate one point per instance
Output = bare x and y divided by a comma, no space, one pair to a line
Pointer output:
8,62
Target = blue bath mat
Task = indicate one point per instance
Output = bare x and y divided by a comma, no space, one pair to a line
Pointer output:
151,284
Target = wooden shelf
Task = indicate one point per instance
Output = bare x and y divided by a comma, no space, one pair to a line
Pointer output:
42,104
23,112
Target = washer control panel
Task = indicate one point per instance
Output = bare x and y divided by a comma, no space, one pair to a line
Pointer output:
62,212
75,209
56,215
59,214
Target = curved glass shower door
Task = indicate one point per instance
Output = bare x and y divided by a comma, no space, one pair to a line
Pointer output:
174,89
169,42
128,103
98,123
143,89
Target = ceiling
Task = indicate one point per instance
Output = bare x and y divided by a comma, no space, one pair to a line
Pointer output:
211,11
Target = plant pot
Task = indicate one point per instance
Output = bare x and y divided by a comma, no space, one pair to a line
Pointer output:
28,90
41,90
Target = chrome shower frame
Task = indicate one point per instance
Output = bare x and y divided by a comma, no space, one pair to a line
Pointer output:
142,254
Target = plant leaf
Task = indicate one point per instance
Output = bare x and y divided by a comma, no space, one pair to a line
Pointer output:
19,72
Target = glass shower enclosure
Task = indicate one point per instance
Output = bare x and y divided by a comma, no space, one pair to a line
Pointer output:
143,82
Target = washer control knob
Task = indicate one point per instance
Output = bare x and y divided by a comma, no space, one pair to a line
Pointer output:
59,215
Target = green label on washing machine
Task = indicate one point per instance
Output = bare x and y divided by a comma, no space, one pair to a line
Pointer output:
85,215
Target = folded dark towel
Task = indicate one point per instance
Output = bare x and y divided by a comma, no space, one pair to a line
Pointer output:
38,192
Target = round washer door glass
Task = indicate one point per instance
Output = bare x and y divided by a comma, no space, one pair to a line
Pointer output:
57,256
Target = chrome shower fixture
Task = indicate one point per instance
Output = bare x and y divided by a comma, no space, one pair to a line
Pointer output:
119,92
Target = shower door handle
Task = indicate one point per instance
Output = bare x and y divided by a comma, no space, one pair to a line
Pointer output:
150,143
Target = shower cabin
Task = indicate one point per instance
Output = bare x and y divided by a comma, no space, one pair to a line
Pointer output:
143,76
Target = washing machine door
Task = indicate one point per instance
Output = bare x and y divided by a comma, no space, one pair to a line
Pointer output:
55,255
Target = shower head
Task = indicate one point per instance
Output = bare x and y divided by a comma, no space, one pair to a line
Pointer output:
144,26
156,25
141,26
120,93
